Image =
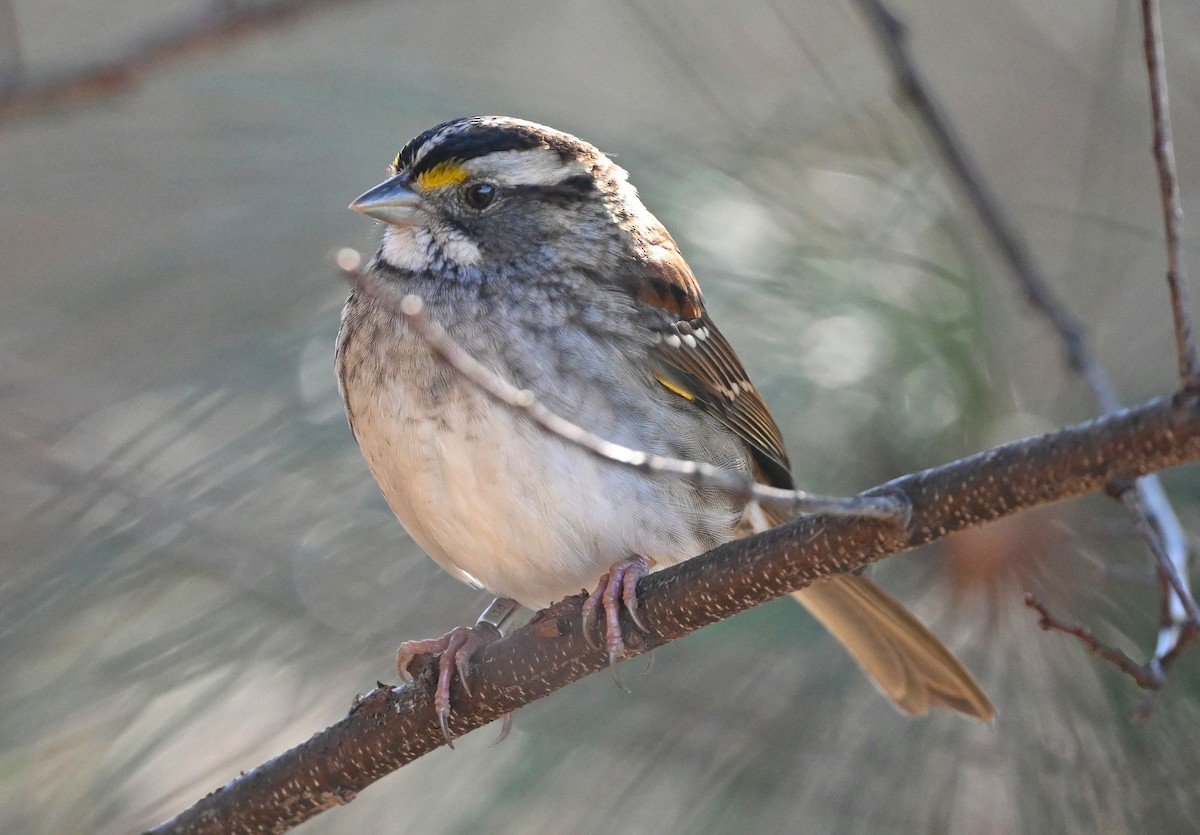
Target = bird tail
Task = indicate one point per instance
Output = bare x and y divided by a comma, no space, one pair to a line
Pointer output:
906,661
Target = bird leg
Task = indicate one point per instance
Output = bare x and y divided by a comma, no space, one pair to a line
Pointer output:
616,588
456,648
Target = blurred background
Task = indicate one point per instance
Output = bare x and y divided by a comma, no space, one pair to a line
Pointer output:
197,571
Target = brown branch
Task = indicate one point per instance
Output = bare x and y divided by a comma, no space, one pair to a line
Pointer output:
1144,498
1147,676
214,25
1168,183
392,727
1150,676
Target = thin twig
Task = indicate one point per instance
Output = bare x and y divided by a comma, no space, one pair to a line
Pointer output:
1146,676
1145,498
213,25
893,40
1168,184
1149,505
412,309
1165,547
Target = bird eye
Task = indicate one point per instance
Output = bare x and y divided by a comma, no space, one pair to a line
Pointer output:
478,196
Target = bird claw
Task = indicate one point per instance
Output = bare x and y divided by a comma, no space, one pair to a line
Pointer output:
505,726
617,588
454,650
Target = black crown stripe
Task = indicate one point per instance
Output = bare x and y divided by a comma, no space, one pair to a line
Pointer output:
475,141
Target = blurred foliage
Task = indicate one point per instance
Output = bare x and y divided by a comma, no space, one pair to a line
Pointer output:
198,572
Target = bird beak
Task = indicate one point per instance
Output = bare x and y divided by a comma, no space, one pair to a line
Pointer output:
392,201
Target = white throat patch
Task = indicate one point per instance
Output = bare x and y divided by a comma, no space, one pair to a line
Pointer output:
407,247
412,247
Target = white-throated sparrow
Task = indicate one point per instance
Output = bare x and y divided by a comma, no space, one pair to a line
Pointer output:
531,250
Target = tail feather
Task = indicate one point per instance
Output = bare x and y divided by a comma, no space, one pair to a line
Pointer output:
906,661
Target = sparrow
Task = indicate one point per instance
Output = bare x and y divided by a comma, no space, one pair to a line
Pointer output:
532,251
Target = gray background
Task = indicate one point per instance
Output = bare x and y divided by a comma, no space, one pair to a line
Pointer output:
197,571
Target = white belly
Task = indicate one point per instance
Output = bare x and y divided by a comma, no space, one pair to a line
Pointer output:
500,504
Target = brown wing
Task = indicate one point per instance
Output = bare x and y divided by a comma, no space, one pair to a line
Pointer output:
695,361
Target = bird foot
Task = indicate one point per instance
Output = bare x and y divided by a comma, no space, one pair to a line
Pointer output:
456,648
616,588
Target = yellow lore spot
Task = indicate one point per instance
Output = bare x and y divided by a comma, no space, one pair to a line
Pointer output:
442,174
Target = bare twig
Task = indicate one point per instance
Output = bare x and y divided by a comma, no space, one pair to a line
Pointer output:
412,309
1180,615
1147,676
1169,546
215,24
893,40
1145,498
392,727
1168,184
